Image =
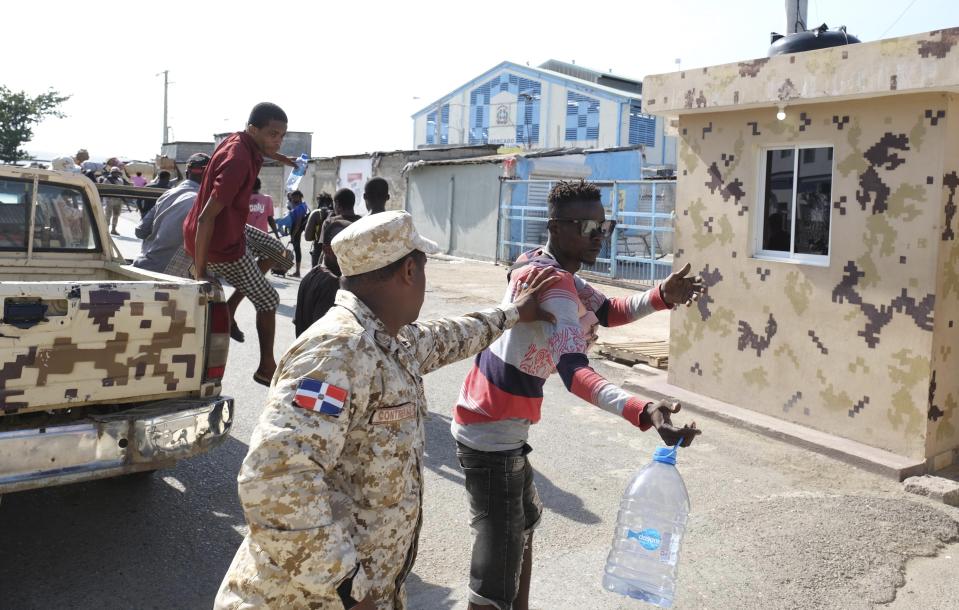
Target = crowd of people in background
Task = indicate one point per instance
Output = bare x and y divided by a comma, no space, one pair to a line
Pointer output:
241,238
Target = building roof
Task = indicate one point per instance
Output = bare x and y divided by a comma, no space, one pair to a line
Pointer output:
910,64
534,154
583,85
432,150
607,79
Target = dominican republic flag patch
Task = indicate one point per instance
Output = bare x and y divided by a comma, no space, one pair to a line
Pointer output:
320,396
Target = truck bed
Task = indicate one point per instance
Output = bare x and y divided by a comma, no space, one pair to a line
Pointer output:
121,337
110,273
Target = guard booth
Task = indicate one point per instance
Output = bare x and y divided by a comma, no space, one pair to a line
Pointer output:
817,198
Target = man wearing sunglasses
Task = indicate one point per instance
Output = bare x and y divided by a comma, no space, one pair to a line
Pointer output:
502,394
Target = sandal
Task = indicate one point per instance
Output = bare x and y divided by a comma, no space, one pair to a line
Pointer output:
262,380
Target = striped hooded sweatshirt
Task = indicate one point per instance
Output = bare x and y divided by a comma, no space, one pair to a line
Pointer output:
503,392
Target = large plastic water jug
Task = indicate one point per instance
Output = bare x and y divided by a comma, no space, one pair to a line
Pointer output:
644,558
293,181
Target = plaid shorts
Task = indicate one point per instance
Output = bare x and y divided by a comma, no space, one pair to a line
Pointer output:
181,264
244,275
262,245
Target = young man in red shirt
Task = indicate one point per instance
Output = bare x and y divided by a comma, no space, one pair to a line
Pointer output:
214,233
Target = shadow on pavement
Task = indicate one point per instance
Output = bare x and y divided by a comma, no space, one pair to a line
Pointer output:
145,541
285,310
424,595
441,459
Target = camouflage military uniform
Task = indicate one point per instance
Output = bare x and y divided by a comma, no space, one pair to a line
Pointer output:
323,494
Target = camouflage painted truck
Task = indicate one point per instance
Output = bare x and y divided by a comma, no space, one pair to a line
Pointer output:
105,369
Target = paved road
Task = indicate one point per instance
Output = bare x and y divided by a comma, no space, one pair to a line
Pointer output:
773,526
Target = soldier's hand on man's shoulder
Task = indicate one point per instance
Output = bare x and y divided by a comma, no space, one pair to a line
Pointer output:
678,289
526,302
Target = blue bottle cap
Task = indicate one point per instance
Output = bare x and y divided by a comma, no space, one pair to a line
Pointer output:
665,455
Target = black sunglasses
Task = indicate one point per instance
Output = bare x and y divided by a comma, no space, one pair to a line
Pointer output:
591,228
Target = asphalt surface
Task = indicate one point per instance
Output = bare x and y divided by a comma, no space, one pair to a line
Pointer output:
773,526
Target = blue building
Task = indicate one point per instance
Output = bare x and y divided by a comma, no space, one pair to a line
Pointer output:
555,105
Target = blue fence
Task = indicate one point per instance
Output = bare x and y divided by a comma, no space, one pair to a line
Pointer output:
641,247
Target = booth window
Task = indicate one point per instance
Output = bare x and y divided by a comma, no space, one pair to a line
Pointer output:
794,223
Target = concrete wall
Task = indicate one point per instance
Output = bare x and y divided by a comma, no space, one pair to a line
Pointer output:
324,174
273,183
942,417
910,64
848,347
390,167
295,143
181,151
456,205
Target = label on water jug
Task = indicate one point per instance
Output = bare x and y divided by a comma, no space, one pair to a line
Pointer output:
648,538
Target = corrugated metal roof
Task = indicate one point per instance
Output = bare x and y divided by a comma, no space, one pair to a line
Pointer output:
549,152
608,79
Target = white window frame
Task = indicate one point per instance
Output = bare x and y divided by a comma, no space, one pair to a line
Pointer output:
759,217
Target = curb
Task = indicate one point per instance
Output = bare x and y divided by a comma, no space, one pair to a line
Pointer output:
857,454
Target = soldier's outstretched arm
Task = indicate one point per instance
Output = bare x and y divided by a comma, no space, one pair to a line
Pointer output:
448,340
283,486
441,342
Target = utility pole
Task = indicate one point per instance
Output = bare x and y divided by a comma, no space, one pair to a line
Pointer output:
166,86
796,16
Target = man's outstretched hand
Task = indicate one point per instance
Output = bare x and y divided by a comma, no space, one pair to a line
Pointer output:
681,290
658,415
526,301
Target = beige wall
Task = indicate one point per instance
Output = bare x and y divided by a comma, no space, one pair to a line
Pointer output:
942,416
910,64
845,348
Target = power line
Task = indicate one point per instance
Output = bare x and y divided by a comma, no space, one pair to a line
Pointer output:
904,11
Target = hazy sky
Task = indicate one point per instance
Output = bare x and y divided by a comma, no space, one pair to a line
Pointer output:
350,72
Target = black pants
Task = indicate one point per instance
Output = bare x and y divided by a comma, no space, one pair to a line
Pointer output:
504,509
295,242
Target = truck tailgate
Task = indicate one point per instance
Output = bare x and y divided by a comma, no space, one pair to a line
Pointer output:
67,343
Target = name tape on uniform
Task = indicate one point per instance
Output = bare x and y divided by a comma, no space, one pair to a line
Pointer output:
388,415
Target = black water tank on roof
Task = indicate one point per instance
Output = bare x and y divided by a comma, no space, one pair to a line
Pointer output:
810,40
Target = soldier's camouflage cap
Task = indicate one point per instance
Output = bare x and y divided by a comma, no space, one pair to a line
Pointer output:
375,241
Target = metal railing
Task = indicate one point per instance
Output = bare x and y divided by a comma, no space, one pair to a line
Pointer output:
639,251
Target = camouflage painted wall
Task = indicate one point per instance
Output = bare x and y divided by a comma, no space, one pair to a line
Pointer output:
942,416
909,64
847,348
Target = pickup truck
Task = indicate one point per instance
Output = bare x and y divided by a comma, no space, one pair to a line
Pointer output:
105,369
